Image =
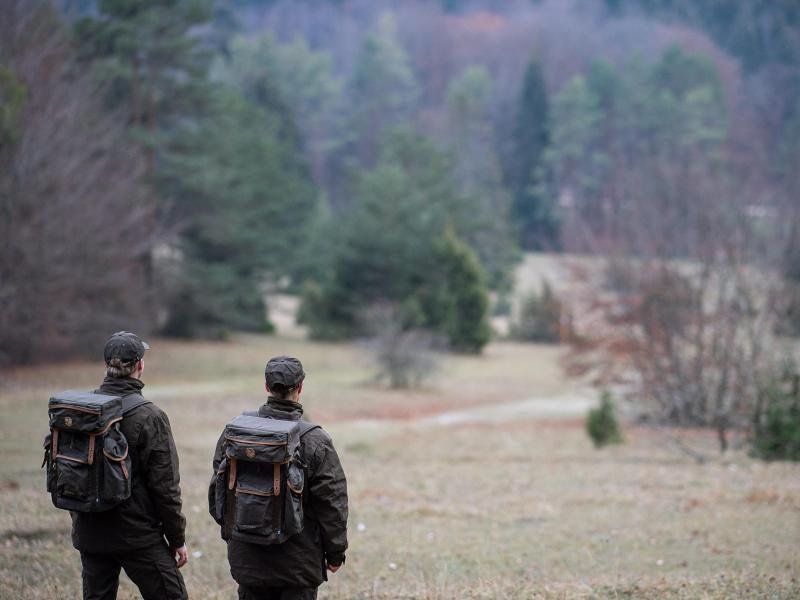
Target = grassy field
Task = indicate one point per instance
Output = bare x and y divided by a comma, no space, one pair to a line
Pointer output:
519,508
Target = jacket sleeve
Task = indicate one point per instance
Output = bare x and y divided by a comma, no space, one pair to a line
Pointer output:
328,498
161,477
212,485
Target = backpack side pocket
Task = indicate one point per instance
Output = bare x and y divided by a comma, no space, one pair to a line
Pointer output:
116,467
293,502
217,493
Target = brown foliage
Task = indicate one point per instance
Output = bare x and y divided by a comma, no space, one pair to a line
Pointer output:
73,238
686,301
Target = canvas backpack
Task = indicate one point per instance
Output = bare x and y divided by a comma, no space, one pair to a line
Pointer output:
85,453
257,492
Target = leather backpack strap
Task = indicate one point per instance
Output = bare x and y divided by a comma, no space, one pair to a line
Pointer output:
131,401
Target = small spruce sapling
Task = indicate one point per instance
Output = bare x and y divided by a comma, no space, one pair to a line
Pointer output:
601,423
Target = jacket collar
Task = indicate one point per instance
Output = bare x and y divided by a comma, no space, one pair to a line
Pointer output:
120,386
278,408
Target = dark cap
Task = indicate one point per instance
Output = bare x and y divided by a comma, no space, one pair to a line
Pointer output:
283,373
126,346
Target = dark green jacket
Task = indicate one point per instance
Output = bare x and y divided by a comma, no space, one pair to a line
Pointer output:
300,561
154,509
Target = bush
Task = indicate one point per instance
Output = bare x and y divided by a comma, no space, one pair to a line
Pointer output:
404,357
539,317
777,429
601,423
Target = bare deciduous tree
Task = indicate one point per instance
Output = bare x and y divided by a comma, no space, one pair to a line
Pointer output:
72,233
693,287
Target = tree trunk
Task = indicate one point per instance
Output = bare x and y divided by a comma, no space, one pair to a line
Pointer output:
722,437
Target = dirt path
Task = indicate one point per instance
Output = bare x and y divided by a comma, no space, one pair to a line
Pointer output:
565,406
574,404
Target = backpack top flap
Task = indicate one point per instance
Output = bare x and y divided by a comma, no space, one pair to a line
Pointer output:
84,412
261,440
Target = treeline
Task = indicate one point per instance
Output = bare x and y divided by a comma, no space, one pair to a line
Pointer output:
166,165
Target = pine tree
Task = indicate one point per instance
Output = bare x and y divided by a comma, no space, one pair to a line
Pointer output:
533,209
390,251
478,175
155,66
245,193
383,90
462,292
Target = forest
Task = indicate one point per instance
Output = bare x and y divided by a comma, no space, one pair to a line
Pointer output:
169,167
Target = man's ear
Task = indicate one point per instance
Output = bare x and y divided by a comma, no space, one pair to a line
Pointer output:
266,387
300,388
140,366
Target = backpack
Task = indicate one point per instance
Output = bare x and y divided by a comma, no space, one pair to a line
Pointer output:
256,494
85,453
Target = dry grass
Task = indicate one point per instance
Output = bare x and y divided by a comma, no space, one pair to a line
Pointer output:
525,509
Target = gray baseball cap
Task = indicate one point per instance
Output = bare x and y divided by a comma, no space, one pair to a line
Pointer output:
283,373
126,346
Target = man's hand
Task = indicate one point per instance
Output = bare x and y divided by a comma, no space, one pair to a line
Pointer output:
333,568
181,556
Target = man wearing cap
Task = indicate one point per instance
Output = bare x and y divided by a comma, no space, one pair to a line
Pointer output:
145,534
295,569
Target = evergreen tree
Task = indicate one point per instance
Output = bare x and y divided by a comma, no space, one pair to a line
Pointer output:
577,157
246,194
154,66
533,209
460,289
477,172
306,83
383,90
390,251
619,134
154,63
12,100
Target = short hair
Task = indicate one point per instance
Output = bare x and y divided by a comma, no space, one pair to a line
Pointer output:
116,368
280,391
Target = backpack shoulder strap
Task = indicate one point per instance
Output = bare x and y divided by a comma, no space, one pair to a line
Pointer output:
306,426
131,401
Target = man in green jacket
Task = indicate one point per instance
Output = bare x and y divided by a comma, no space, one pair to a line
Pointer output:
295,569
144,534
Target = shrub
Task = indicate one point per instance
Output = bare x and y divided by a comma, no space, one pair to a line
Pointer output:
539,317
404,356
777,428
601,423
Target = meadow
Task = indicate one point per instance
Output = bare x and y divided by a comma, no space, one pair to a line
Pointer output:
454,492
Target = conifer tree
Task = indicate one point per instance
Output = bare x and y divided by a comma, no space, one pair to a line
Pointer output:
478,175
383,90
462,293
533,209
